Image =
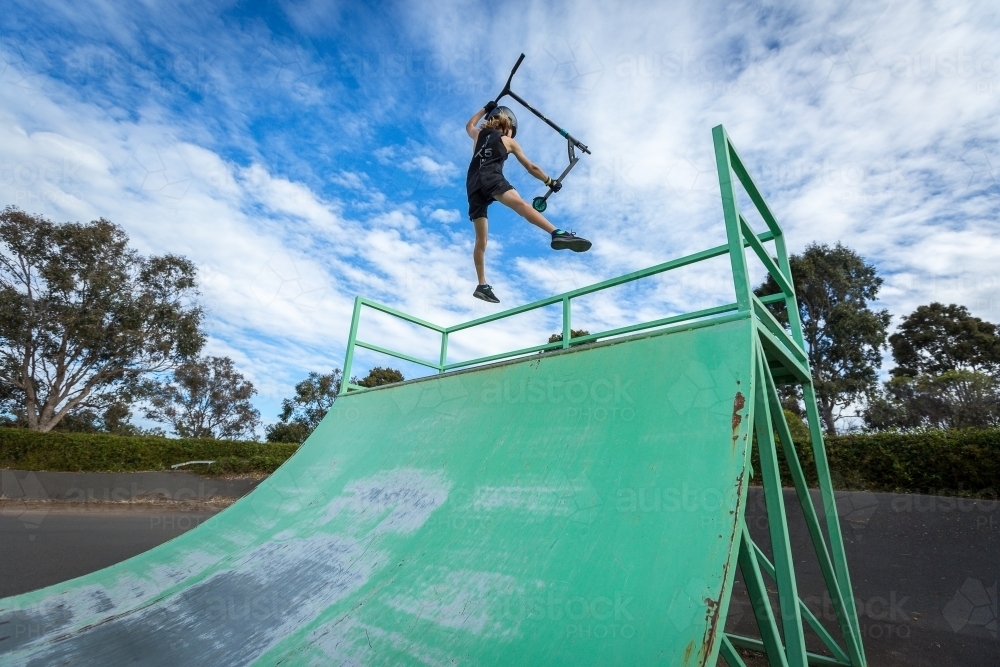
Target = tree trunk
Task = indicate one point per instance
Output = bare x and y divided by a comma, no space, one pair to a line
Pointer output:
826,412
30,414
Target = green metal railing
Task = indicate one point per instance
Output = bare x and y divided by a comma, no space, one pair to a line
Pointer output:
441,365
778,347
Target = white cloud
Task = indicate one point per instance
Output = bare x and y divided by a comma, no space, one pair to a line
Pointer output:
312,17
446,216
416,158
438,173
349,179
386,154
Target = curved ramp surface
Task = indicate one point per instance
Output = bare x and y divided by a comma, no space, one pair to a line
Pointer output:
576,508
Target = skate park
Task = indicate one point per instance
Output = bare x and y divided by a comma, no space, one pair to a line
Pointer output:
351,544
727,391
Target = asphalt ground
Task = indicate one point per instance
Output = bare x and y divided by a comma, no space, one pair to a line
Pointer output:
924,568
121,487
44,543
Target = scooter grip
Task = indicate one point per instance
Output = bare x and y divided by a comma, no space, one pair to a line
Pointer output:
520,59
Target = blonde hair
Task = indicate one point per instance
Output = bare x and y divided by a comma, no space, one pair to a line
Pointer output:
500,122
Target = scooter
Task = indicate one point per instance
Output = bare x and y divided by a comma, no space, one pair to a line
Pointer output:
541,203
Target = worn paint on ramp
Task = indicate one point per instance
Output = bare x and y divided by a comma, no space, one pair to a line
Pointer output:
567,509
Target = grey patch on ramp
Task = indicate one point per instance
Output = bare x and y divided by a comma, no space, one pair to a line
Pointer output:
230,618
403,498
20,628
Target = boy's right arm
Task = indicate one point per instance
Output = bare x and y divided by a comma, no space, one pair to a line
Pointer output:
470,127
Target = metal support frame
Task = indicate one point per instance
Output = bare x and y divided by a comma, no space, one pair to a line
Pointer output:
786,348
775,348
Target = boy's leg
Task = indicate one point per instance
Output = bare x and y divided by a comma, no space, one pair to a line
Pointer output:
560,241
479,250
511,199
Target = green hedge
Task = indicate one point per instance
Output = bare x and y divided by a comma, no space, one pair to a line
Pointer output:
946,463
952,463
99,452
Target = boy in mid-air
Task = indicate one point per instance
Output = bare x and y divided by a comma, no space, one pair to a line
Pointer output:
485,183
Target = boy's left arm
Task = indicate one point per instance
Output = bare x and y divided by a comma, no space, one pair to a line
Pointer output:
533,169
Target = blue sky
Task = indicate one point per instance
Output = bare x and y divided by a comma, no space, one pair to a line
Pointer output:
304,152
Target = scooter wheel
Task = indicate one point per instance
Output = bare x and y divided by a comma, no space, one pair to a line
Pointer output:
539,204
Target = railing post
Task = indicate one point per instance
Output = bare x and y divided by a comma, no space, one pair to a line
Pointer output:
444,352
566,329
731,212
838,552
349,359
791,301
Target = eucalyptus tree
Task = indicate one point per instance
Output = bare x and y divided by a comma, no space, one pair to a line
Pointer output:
83,316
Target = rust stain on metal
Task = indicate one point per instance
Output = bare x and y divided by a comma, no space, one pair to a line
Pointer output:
738,403
687,651
714,607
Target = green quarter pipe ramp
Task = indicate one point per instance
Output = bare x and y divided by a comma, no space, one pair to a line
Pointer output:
579,507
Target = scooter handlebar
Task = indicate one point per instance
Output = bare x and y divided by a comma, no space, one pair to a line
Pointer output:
507,91
506,88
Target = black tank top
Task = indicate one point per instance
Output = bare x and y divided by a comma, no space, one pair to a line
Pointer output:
487,159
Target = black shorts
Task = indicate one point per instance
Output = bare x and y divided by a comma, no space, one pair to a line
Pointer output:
480,199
